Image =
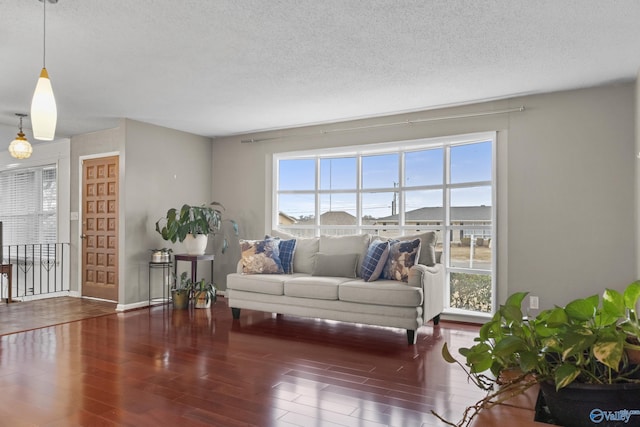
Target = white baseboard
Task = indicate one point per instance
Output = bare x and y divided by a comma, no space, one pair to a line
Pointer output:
43,296
134,306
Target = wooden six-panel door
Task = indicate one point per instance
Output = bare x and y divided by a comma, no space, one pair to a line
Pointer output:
100,228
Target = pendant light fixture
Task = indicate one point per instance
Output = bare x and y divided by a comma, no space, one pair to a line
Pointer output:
44,113
20,147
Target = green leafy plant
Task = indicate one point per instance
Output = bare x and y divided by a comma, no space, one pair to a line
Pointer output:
181,291
182,285
163,250
204,219
587,341
204,289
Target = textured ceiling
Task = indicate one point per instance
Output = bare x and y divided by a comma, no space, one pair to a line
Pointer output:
221,67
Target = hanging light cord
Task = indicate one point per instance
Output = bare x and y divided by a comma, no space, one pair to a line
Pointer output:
44,34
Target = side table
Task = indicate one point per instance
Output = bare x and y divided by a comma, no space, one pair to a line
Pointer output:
166,281
194,259
7,269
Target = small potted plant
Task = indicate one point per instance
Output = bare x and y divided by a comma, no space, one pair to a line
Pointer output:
192,225
181,291
161,255
578,354
204,293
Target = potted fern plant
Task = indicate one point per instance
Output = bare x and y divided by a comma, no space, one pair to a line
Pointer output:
181,291
192,225
577,354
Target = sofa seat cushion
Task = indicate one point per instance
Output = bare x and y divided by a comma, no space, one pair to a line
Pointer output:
316,287
272,284
381,292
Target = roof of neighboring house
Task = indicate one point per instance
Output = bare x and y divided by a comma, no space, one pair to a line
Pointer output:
458,213
333,218
289,217
337,218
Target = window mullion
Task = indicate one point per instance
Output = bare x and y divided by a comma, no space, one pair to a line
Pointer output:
400,205
317,212
359,209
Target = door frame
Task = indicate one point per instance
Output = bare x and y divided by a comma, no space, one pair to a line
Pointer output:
81,160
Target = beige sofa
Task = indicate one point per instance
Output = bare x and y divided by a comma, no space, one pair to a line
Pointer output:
313,290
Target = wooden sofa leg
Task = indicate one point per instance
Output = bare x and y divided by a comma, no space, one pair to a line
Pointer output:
235,312
411,336
436,320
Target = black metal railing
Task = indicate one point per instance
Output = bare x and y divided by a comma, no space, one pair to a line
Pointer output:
38,269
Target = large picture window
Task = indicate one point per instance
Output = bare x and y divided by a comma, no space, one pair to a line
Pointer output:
444,184
29,205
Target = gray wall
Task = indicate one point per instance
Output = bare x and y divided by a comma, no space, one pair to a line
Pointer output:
160,168
636,155
572,194
165,168
566,192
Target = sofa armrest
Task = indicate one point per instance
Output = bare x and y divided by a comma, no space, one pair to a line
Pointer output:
431,280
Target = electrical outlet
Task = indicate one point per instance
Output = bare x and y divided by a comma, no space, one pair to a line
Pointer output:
533,302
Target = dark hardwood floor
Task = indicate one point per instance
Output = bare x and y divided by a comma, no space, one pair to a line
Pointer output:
160,367
23,316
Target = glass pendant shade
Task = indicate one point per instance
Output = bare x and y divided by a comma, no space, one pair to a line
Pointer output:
44,113
20,147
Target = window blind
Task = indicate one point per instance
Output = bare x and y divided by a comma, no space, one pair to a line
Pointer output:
28,207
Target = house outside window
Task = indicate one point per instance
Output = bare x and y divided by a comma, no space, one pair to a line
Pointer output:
443,184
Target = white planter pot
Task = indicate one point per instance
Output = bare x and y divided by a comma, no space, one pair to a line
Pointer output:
160,257
202,303
195,245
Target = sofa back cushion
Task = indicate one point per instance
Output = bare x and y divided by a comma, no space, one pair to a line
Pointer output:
427,247
346,245
305,252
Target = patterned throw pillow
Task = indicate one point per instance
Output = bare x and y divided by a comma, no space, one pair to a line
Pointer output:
287,248
261,256
375,260
402,256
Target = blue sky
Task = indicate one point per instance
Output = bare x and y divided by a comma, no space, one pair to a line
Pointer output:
469,163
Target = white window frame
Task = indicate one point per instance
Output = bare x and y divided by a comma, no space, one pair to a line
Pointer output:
401,147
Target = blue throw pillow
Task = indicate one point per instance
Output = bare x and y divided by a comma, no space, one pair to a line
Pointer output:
375,260
287,249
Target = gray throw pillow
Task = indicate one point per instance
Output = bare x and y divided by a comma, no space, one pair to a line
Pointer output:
343,265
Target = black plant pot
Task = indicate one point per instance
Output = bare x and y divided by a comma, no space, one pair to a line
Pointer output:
589,405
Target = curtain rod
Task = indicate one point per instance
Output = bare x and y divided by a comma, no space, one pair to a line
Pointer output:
405,122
